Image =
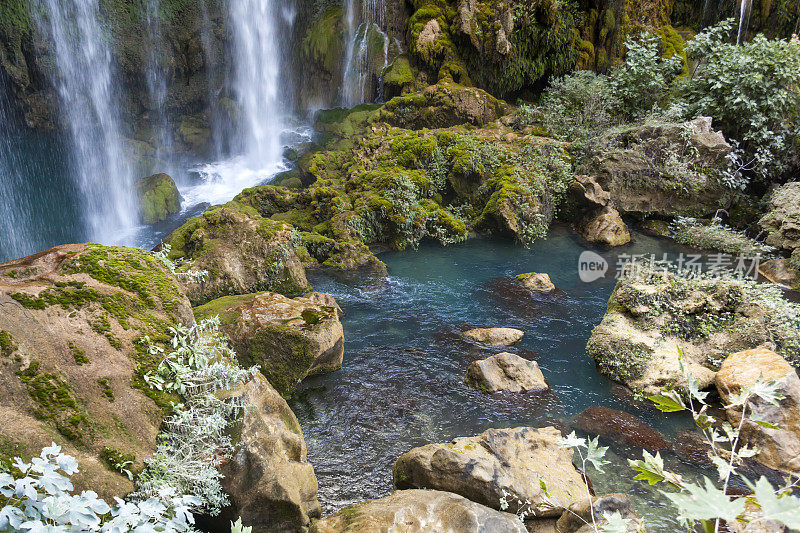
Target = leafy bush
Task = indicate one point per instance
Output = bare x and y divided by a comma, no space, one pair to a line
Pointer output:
752,91
643,81
717,236
578,106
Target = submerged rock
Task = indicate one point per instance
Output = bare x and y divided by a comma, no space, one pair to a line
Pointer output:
72,361
495,336
271,485
537,282
419,511
505,372
578,517
242,252
289,339
158,198
782,221
777,448
605,227
515,461
621,427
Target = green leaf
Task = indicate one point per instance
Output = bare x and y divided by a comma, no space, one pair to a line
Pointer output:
668,403
764,424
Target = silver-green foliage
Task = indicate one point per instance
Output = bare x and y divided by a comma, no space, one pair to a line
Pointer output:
194,440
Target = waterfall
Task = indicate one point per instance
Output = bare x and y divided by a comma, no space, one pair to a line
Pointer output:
257,80
157,89
744,20
367,52
89,105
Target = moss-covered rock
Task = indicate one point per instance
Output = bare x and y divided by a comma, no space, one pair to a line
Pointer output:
653,314
241,251
95,302
158,198
289,339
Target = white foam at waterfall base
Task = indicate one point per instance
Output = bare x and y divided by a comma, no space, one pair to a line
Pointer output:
220,181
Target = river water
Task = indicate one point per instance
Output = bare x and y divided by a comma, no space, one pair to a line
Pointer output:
402,381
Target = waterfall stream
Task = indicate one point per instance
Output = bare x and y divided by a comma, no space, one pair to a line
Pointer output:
744,20
89,104
367,52
157,89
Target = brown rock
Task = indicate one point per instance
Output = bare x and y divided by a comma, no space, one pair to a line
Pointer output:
481,468
579,515
289,339
606,227
621,427
782,222
781,272
505,372
537,282
71,319
495,336
777,448
587,192
419,511
271,485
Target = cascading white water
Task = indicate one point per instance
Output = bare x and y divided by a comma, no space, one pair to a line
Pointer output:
89,105
359,66
744,20
257,81
14,222
157,88
255,26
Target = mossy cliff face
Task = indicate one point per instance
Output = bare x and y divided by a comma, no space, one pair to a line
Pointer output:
242,252
158,198
289,339
71,360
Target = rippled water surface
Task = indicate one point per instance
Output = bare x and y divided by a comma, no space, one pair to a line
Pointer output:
402,382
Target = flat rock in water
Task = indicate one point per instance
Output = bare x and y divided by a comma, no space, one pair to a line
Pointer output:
419,511
505,372
621,427
495,336
498,461
781,272
777,448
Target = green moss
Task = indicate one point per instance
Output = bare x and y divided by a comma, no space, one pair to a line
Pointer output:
283,355
323,43
56,403
158,198
7,346
105,388
117,461
78,354
399,73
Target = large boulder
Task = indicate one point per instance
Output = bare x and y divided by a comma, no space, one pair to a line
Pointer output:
158,198
777,448
665,169
287,338
782,272
782,221
653,314
498,462
271,485
72,361
419,511
241,251
624,428
505,372
495,336
604,226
